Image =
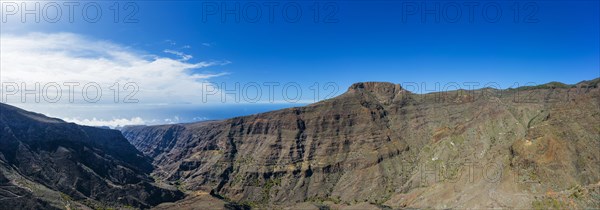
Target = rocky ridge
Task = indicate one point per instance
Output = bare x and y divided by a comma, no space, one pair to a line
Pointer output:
382,146
46,163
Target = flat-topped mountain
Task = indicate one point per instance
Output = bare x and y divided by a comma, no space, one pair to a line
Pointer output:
379,146
46,163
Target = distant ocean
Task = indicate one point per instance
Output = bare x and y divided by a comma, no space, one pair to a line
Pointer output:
150,114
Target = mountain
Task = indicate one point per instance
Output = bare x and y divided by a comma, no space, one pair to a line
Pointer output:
46,163
381,146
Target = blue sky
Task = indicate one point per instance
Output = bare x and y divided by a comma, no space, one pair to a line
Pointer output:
351,41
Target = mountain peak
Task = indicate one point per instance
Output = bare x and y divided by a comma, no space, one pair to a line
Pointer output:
384,92
376,87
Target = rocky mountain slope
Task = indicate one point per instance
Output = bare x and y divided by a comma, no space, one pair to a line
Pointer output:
46,163
379,146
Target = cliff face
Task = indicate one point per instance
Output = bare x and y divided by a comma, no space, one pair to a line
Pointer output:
383,145
48,163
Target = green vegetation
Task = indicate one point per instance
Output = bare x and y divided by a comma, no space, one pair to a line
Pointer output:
267,189
577,192
548,203
180,185
550,85
321,200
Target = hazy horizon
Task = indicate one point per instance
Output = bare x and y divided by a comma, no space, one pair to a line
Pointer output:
159,62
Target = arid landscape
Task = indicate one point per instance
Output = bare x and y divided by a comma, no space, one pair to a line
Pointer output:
376,146
299,105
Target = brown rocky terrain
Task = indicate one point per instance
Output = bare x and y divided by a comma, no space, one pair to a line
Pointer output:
380,146
377,146
46,163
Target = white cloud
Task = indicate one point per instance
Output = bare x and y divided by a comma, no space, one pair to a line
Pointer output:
120,122
66,57
110,123
184,57
171,42
197,119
